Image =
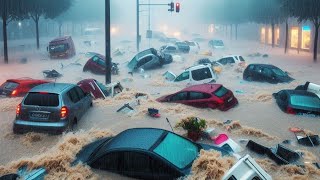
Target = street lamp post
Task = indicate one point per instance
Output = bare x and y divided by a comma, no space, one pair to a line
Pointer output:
107,42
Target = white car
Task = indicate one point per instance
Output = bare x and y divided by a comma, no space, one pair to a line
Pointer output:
311,87
231,59
216,44
169,49
194,46
198,74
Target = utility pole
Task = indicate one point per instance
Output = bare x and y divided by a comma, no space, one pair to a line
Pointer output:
107,41
138,33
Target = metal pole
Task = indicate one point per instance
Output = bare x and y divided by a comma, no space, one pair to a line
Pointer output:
107,34
149,28
138,34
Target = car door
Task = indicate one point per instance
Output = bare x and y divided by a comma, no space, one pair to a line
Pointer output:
198,99
184,78
268,75
75,107
202,75
231,60
180,97
84,100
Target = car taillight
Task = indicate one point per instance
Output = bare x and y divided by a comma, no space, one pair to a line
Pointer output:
64,112
18,110
290,110
14,92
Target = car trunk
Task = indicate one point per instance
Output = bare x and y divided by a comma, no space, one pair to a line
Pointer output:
42,107
7,88
227,97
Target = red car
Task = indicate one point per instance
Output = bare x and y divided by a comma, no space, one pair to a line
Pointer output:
19,87
97,65
204,96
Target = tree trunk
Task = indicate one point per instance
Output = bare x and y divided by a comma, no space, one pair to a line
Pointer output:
37,32
286,40
315,48
236,27
231,31
272,34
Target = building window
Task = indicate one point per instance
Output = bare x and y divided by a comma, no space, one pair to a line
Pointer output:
263,35
305,39
277,36
269,35
294,37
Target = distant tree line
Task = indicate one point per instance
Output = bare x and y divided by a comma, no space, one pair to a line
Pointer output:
58,10
273,12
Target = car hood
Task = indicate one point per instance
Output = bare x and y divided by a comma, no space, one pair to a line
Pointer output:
87,153
285,78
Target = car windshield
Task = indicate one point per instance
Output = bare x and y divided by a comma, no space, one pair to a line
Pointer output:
306,101
132,64
9,85
177,150
106,91
221,91
58,48
42,99
279,72
218,43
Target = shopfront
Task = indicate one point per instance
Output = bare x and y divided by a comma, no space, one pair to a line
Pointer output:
294,37
263,35
305,37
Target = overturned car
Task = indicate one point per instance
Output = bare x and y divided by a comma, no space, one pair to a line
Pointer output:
98,90
298,102
149,59
197,74
97,65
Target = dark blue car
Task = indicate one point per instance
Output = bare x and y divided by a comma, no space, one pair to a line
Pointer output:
144,153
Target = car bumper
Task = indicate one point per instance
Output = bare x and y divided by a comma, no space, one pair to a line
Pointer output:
21,126
229,105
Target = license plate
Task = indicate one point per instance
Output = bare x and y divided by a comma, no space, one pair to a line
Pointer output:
39,115
230,99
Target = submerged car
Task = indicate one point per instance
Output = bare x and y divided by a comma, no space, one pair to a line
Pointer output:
144,153
97,65
19,87
149,59
265,73
98,90
169,49
194,46
197,74
298,102
183,47
232,59
61,48
216,44
51,107
204,96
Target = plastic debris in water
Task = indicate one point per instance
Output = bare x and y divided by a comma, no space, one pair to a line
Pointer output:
239,91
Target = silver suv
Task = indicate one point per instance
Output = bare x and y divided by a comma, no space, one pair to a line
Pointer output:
51,107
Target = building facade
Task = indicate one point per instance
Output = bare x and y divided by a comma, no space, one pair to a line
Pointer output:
300,35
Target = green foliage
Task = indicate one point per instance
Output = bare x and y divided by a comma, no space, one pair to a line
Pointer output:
192,124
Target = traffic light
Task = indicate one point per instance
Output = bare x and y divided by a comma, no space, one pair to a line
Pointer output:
171,7
177,7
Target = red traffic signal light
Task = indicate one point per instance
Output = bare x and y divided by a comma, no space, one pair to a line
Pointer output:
177,7
171,6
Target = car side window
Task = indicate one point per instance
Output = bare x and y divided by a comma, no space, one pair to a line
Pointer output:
144,61
80,92
230,60
236,57
73,95
111,162
98,60
198,95
251,67
201,74
182,77
179,97
171,48
223,61
267,72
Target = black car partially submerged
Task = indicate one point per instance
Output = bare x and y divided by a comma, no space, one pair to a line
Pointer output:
265,73
144,153
298,102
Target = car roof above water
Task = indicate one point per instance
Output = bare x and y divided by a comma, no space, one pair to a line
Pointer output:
56,88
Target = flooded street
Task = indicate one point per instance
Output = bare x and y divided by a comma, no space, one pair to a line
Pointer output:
257,108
